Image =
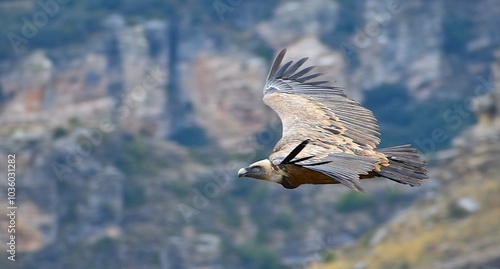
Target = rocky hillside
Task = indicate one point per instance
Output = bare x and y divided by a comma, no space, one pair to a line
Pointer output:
120,72
454,227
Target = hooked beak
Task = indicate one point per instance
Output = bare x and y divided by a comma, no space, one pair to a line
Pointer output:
242,172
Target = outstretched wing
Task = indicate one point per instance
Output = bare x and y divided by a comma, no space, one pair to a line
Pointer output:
342,134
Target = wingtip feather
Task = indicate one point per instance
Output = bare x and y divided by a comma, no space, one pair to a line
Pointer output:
276,64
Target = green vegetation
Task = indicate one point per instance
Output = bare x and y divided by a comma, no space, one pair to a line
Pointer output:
264,51
76,21
230,210
456,212
351,13
101,254
258,256
191,137
107,213
2,94
59,132
283,221
457,28
389,102
233,221
134,156
138,159
103,244
62,131
73,22
107,258
251,191
69,210
70,213
403,121
11,23
328,256
180,188
74,122
353,201
392,196
134,195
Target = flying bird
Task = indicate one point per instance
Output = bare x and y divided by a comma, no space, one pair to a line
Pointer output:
327,138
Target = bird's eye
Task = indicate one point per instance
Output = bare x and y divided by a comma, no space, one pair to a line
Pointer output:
256,169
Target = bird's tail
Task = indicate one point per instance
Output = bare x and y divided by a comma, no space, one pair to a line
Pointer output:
405,165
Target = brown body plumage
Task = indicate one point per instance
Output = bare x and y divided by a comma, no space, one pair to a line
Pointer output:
327,137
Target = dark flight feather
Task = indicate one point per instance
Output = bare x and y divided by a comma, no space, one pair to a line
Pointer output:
282,70
301,159
303,72
294,67
295,151
343,167
276,64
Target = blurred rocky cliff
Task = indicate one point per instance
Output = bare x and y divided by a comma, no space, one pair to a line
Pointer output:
128,140
121,73
454,225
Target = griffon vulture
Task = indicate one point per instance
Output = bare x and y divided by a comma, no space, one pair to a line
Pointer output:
327,138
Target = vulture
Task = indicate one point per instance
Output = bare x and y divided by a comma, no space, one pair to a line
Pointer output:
327,137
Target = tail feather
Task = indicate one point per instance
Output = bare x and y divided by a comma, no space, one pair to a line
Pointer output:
405,165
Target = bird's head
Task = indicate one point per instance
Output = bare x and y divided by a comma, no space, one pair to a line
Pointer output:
263,170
